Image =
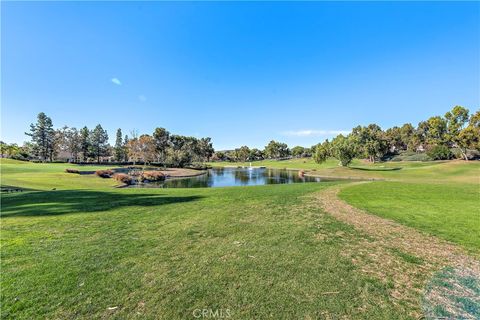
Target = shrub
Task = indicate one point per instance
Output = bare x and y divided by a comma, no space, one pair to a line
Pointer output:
153,176
410,156
440,152
123,178
72,171
104,173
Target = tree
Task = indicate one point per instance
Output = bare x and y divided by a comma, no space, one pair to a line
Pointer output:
456,137
242,154
125,147
146,148
9,150
119,149
394,138
43,136
370,141
162,142
85,142
298,151
469,137
256,154
205,148
134,149
276,150
406,134
435,131
343,148
99,142
322,152
73,143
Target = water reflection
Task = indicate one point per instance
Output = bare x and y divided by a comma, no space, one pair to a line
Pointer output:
227,177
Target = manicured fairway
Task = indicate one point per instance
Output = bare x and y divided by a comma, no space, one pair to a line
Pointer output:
88,250
165,253
449,211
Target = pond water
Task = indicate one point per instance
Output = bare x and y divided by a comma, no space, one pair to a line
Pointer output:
228,177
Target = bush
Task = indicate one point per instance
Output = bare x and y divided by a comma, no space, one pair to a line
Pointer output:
410,156
72,171
153,176
123,178
440,153
104,173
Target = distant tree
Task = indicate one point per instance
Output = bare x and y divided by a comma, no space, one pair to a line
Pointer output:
406,134
276,150
256,154
119,149
60,141
469,137
9,150
43,136
242,154
125,147
298,151
99,143
394,138
162,142
322,152
369,141
134,150
456,119
147,149
343,148
73,143
219,156
435,131
85,142
205,147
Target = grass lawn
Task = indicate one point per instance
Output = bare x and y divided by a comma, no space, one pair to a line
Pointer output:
88,250
164,253
449,211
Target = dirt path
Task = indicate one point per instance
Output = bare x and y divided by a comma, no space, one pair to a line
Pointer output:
408,260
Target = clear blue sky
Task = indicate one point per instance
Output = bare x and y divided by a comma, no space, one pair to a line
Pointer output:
241,73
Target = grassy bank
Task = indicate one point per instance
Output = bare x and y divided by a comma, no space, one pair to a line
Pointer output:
449,211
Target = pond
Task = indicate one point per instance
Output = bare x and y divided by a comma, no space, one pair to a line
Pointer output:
228,177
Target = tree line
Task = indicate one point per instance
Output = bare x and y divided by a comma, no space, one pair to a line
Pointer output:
85,145
457,130
437,136
456,134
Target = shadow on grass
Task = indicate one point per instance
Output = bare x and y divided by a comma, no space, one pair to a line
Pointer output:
50,203
376,169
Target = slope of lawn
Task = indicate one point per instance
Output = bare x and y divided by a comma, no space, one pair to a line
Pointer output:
45,176
164,253
450,211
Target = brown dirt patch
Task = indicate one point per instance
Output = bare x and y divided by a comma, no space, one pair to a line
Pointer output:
400,256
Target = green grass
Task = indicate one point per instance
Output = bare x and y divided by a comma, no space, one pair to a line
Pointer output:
78,250
164,253
449,211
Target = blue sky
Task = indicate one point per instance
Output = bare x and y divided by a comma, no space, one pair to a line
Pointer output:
241,73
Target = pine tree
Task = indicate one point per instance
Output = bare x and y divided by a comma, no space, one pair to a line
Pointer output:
119,148
99,142
84,142
43,136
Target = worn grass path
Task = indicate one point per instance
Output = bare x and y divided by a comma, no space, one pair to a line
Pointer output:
407,259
